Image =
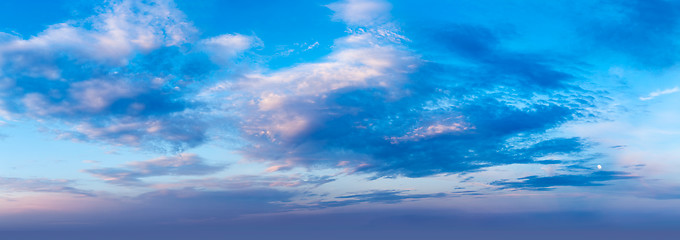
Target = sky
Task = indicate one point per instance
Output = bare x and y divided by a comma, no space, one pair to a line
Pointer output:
350,119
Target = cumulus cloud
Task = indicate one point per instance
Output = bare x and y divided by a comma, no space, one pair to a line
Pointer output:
123,76
224,48
120,29
286,99
281,108
133,172
373,105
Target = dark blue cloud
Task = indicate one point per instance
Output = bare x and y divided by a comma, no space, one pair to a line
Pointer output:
382,196
454,117
481,48
598,178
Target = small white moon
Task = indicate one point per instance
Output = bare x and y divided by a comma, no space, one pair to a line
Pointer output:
599,166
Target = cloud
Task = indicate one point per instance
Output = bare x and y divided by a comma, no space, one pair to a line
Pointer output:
111,37
375,103
361,12
224,48
133,172
123,76
655,94
382,196
249,182
376,106
597,178
188,204
162,208
483,49
284,107
173,133
42,185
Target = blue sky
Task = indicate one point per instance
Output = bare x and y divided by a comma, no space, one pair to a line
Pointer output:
335,119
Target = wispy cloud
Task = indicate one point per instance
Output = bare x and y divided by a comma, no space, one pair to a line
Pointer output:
42,185
382,196
361,12
249,182
655,94
133,172
226,47
598,178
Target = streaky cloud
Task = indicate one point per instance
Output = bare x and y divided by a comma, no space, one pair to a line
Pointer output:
655,94
132,173
43,185
382,196
598,178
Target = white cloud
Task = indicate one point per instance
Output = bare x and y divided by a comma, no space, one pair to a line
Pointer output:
430,131
361,12
227,46
171,134
84,76
95,95
122,28
283,106
655,94
91,96
312,46
379,66
290,99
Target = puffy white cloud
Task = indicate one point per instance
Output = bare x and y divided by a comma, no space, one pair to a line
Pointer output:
290,102
122,28
225,47
281,108
379,66
104,75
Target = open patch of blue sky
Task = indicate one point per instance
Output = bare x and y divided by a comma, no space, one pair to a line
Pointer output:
216,113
